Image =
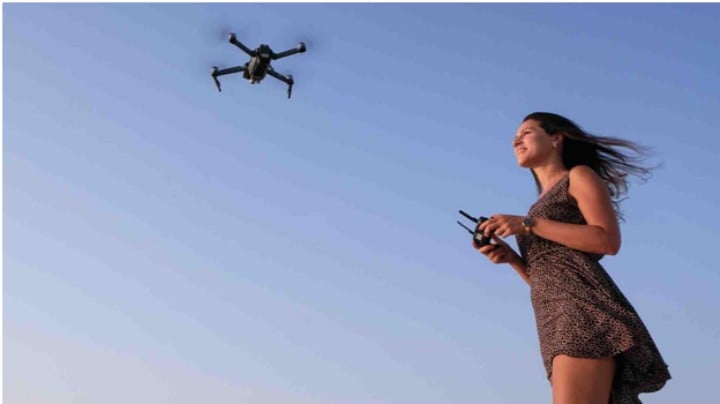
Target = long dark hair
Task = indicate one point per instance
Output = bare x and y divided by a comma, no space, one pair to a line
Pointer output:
600,153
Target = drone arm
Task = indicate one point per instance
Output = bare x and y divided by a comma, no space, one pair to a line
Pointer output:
216,72
286,79
299,49
229,70
233,40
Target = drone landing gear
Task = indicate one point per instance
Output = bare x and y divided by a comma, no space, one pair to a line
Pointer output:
215,73
286,79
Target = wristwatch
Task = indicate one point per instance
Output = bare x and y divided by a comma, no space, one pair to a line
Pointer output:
528,223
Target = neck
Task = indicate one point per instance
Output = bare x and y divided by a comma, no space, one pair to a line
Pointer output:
549,174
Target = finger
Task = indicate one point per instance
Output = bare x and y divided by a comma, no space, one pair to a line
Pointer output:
507,230
498,248
489,229
501,230
497,257
477,245
487,222
496,223
486,249
492,256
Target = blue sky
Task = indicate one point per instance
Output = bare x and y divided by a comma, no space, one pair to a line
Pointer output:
167,243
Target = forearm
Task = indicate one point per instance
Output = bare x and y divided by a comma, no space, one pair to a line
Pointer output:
518,264
587,238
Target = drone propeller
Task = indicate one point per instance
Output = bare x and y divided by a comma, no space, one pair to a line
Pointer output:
227,29
298,31
223,33
309,43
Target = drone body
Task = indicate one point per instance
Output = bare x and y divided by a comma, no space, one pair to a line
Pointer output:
259,64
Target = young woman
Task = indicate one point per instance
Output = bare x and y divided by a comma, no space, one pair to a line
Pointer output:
595,347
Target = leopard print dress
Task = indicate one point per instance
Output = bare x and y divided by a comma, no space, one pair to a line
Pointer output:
580,312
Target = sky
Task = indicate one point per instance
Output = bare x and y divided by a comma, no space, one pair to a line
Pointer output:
166,243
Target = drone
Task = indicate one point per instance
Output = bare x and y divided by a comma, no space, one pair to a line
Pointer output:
259,64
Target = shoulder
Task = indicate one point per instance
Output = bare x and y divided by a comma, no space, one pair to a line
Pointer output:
584,179
583,174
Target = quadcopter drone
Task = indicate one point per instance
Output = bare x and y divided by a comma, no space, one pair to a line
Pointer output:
259,64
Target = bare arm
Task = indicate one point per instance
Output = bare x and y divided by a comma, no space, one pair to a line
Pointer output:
601,234
519,267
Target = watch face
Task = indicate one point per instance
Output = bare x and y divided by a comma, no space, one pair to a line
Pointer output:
527,221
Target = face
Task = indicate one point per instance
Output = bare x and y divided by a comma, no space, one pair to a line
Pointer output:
532,144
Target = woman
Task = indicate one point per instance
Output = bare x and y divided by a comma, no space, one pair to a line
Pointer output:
595,348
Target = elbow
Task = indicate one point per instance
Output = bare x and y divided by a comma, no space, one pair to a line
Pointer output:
608,242
613,247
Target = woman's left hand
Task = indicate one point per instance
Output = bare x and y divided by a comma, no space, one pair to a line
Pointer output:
503,225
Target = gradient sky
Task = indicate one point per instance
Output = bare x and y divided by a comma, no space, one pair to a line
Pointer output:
166,243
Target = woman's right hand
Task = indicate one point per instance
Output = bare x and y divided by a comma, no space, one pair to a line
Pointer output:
499,252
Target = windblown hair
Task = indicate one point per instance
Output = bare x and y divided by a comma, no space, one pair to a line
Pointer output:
602,154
